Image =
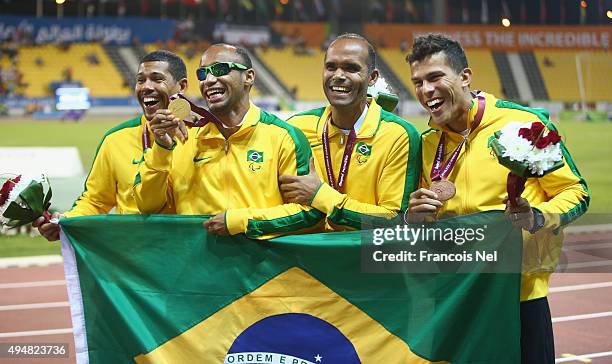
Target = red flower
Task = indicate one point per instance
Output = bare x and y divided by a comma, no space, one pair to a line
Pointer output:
542,142
536,129
6,189
553,137
525,133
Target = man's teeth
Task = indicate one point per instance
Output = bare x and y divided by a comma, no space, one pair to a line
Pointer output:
434,102
214,92
340,89
149,99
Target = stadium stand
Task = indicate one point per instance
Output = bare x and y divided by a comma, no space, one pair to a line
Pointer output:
102,79
302,72
596,74
485,77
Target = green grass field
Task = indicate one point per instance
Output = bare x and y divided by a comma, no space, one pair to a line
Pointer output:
588,143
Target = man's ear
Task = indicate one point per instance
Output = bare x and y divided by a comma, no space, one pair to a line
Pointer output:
373,77
249,77
466,77
183,84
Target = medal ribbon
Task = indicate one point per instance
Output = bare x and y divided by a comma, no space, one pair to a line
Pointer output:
146,140
442,171
346,158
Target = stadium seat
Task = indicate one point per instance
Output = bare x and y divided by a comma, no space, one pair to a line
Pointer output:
561,77
103,80
304,71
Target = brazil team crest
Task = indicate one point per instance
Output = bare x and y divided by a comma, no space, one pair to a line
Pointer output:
363,152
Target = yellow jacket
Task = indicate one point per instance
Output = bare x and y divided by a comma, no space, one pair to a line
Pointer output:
209,175
383,171
562,195
109,183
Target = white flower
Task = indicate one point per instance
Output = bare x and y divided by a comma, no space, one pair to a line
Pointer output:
518,149
381,85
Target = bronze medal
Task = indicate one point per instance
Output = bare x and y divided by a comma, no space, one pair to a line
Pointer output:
444,188
180,108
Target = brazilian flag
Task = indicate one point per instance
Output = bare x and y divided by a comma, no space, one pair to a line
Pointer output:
158,289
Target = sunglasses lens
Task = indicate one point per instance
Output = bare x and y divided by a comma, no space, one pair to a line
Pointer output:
220,69
201,73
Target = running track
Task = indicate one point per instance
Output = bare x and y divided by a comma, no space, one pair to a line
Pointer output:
34,307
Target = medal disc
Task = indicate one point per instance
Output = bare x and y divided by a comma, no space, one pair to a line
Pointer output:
445,189
180,108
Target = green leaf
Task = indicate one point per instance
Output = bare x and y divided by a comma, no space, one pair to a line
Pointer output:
46,202
19,214
33,195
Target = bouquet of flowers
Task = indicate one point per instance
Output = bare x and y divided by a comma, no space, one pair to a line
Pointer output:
24,199
528,150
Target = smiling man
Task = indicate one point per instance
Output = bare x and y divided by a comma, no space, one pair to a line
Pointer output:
109,183
227,169
463,120
368,158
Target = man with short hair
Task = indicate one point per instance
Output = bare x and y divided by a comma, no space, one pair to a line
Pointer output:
230,168
369,158
462,122
109,183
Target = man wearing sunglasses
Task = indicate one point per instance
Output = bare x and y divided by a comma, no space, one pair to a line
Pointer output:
369,158
109,183
228,168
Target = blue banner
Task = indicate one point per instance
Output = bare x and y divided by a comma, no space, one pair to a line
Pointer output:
102,29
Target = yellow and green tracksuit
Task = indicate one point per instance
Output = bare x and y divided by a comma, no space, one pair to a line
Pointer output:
239,175
109,183
562,195
383,170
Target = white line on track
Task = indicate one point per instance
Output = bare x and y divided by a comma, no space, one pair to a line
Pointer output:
58,282
34,306
583,356
35,261
582,317
596,246
36,333
597,263
578,287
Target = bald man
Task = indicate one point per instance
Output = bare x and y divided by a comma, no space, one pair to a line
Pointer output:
227,169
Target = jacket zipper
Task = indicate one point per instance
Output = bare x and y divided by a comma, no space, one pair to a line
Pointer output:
227,186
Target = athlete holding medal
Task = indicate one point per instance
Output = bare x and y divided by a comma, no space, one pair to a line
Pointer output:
228,165
462,121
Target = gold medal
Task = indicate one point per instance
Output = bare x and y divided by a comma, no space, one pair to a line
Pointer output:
180,108
444,188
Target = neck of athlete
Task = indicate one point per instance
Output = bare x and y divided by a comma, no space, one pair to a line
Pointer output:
460,122
231,121
346,117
